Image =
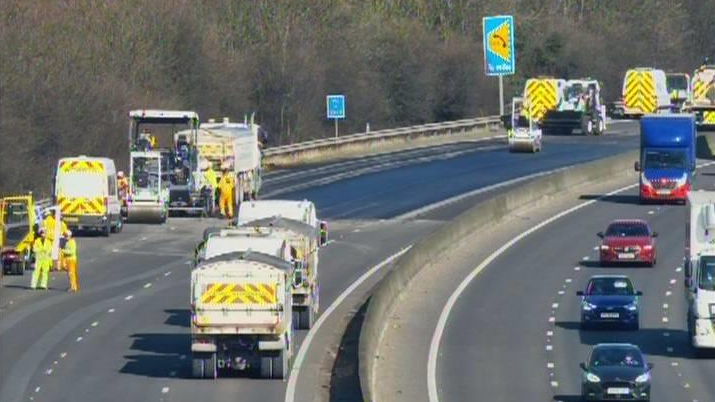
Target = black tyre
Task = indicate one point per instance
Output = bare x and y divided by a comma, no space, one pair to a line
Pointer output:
107,229
306,318
118,226
20,268
266,369
197,368
210,367
280,366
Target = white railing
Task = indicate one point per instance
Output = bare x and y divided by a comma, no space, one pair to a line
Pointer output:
449,127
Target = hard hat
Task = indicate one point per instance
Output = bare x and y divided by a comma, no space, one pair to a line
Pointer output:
120,174
40,231
68,234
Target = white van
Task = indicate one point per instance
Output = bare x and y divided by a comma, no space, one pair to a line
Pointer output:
85,189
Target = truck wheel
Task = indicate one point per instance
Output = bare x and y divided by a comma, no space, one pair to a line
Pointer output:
197,368
306,317
107,229
210,367
266,367
280,365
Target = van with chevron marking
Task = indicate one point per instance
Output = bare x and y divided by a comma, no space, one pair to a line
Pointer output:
85,189
645,91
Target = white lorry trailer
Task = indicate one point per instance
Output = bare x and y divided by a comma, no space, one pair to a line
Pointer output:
297,223
700,268
241,311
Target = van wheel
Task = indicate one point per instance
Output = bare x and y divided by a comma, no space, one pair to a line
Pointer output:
107,229
117,228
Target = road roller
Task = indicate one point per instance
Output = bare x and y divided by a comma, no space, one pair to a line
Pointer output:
523,134
147,201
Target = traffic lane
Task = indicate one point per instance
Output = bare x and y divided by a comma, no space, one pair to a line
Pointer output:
397,191
144,343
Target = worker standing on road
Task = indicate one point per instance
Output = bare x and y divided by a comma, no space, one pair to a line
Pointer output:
48,224
122,185
226,187
69,253
42,248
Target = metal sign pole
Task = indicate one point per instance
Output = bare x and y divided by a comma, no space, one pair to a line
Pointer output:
501,95
336,128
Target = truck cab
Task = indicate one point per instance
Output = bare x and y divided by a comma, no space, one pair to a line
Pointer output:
667,157
700,269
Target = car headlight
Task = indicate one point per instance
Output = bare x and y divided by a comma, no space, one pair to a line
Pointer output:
645,377
590,377
588,306
632,307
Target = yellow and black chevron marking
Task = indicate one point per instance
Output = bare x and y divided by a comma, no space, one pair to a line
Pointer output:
640,92
82,166
225,293
540,97
81,205
709,117
700,90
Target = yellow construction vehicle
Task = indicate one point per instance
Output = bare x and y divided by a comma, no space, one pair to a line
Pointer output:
17,232
702,98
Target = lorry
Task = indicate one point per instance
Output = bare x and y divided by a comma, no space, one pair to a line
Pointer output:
645,91
522,133
297,223
679,88
241,307
85,189
18,218
148,197
187,194
702,97
562,106
667,157
699,269
233,146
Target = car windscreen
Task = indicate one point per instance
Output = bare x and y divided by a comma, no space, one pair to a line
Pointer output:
610,287
706,277
616,356
665,159
627,230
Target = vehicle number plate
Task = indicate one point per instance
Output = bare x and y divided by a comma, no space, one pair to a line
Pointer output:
618,391
663,192
610,315
626,256
72,219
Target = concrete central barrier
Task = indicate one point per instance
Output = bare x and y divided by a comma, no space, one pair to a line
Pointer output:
473,222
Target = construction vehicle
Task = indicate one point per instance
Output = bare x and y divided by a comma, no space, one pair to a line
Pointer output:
185,183
667,157
645,91
85,189
702,100
17,233
679,89
241,306
562,106
147,200
236,147
295,222
522,133
700,269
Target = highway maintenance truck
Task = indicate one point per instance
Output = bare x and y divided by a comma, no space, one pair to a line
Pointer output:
667,157
700,269
241,307
85,189
17,232
522,133
645,91
148,197
702,100
186,192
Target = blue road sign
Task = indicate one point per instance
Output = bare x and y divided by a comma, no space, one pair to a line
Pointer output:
499,55
336,106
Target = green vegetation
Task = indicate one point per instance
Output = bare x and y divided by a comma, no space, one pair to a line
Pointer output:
71,69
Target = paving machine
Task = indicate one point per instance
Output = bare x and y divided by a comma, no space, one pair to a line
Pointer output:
185,193
147,201
17,233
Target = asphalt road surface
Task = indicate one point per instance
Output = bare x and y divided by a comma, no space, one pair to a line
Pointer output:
125,336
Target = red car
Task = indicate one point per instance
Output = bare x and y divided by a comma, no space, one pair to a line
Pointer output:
628,240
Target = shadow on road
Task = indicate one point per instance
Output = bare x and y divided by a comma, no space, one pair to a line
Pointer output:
598,264
567,398
344,377
178,318
162,357
630,199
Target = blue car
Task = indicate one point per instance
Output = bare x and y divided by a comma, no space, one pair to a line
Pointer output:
610,300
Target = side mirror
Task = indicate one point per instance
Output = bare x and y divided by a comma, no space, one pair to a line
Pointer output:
654,234
637,166
600,234
323,234
650,366
583,366
639,293
580,293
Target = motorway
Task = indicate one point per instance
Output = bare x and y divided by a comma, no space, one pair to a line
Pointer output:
525,343
125,335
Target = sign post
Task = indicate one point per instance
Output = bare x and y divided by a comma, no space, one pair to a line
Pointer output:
499,55
336,109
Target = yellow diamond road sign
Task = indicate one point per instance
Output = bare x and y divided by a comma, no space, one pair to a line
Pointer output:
500,41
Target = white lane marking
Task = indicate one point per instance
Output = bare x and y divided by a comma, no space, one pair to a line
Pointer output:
452,301
561,292
586,258
165,390
665,319
94,324
115,250
129,297
668,293
665,306
549,333
666,334
568,280
550,365
678,269
37,389
303,351
549,347
111,310
554,384
651,212
576,268
79,339
144,238
48,371
63,355
555,305
167,273
673,281
552,319
147,285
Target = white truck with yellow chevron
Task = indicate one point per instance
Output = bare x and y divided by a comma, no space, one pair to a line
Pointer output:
702,101
562,106
85,189
296,222
241,307
645,91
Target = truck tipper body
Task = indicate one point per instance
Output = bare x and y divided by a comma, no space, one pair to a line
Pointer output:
241,315
297,224
700,268
667,157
